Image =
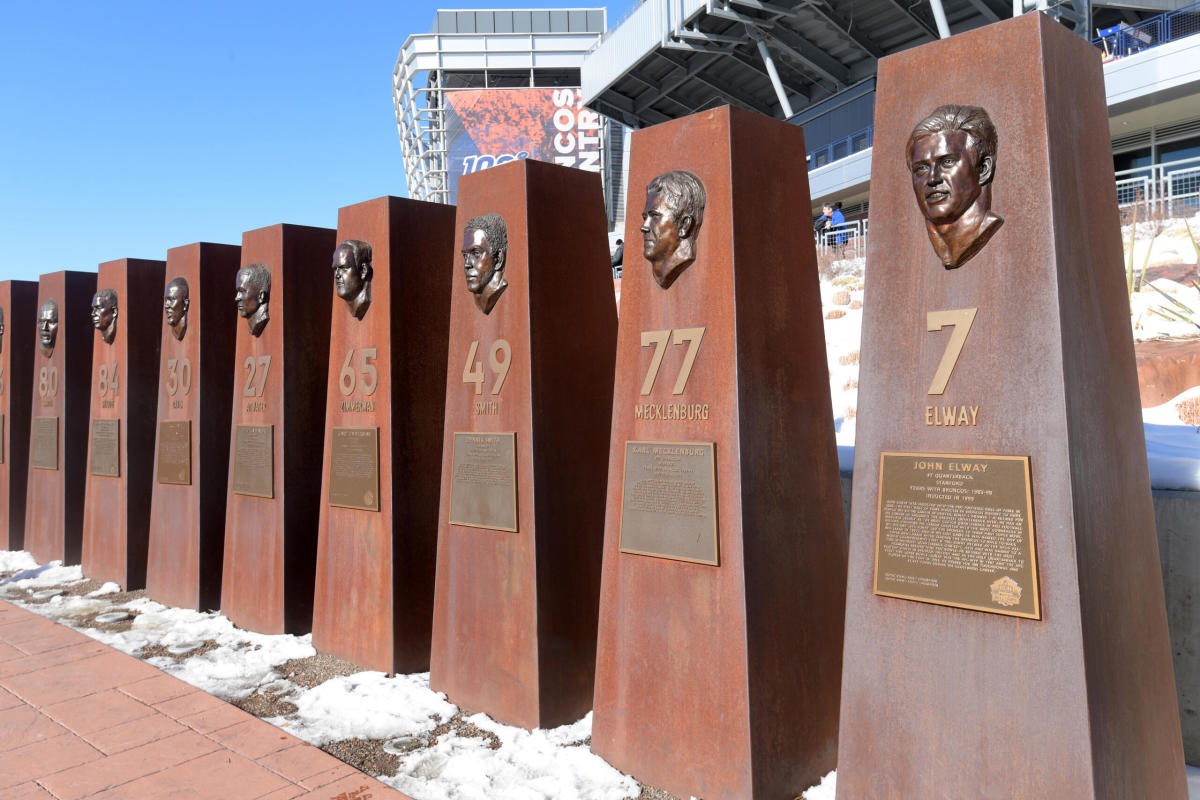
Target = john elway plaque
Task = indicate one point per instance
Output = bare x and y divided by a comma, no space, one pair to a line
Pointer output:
958,531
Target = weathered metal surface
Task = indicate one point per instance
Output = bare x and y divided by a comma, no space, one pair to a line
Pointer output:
515,613
61,365
738,663
483,481
123,396
18,302
195,386
940,701
280,363
387,358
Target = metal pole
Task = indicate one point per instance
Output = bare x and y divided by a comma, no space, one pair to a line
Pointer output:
939,16
769,63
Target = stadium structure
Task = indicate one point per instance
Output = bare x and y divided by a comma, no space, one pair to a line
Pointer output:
488,86
813,62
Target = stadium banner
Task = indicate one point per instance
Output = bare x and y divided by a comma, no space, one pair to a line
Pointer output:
486,127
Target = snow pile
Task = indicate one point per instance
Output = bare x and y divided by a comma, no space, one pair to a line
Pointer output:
528,764
366,705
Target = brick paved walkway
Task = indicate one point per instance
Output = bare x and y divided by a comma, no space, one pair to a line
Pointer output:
81,720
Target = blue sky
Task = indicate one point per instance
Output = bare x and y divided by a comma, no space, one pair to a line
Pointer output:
127,128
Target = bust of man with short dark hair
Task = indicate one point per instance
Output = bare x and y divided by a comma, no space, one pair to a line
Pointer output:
47,322
671,222
951,155
104,314
484,252
253,292
352,275
175,306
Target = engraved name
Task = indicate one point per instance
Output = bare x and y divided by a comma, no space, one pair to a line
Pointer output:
176,404
358,405
256,405
490,408
671,411
108,403
47,403
948,466
951,415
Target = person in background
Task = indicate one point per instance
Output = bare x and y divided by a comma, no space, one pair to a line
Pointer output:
834,220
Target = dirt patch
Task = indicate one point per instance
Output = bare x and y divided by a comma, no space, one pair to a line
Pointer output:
365,755
315,670
265,704
159,650
456,724
652,793
849,359
89,621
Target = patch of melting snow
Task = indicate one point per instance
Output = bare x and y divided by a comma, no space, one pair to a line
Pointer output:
550,763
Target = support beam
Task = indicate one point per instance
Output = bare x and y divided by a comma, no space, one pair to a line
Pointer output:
811,9
727,93
773,74
914,19
939,17
804,51
985,10
672,80
757,67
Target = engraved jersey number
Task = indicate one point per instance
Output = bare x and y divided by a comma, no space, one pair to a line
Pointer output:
473,370
179,376
107,380
253,368
349,380
48,382
659,339
961,320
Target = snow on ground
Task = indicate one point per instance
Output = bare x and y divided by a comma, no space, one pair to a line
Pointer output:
554,763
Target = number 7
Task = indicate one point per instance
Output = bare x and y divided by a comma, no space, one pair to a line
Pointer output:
961,320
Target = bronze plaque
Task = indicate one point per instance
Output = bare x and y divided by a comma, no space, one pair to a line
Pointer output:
957,530
43,451
483,481
175,452
354,468
3,438
254,460
106,447
669,501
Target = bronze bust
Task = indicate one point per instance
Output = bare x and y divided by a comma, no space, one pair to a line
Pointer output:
484,252
951,156
175,304
671,222
104,314
352,275
1,330
47,323
253,293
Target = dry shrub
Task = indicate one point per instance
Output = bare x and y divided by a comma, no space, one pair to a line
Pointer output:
1189,410
841,298
837,313
850,384
849,359
855,305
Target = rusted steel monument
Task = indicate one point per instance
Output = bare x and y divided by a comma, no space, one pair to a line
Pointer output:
58,435
528,404
126,316
1005,626
282,293
384,403
191,455
18,311
724,557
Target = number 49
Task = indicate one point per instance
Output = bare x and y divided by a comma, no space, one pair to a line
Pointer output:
473,370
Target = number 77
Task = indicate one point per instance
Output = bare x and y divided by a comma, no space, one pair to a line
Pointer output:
693,336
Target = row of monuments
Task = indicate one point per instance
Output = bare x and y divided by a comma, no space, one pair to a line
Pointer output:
490,478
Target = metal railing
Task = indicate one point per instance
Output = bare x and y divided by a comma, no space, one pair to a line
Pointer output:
1165,190
1125,40
848,240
